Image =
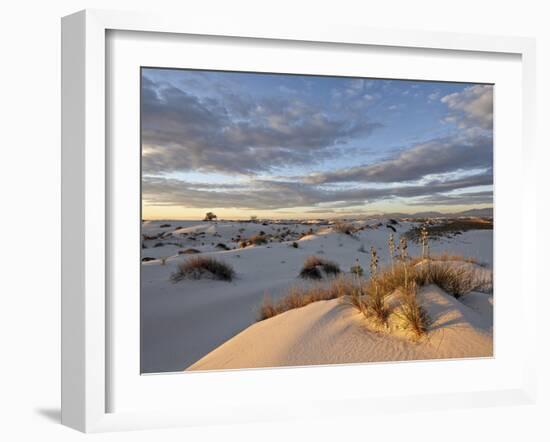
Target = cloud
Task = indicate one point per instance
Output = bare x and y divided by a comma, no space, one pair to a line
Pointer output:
484,197
441,155
271,195
232,134
473,107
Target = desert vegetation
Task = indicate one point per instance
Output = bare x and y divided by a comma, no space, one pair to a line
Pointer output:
301,295
387,295
380,284
447,228
316,267
203,267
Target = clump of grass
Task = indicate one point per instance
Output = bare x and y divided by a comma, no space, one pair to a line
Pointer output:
315,266
377,308
258,240
188,252
344,227
163,260
449,227
300,296
412,315
267,309
203,267
455,280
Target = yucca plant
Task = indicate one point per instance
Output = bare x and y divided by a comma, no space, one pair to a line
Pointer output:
356,269
424,240
403,253
391,246
373,262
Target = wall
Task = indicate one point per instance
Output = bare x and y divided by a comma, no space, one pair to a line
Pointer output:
30,221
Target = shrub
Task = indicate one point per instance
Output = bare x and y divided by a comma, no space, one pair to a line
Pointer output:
222,246
203,266
343,227
188,252
295,244
314,266
258,240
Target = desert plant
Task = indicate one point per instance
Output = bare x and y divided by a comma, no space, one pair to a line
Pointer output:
210,216
356,269
453,279
163,260
412,315
315,265
424,240
343,227
258,240
391,246
295,244
355,295
300,296
377,307
373,262
189,251
403,253
267,309
203,266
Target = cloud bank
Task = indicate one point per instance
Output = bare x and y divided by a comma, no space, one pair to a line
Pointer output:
247,138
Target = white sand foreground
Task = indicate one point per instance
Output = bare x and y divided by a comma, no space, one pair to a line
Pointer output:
333,332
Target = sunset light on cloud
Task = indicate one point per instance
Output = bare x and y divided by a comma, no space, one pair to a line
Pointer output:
293,146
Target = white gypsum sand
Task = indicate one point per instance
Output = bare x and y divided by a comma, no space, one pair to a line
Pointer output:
195,324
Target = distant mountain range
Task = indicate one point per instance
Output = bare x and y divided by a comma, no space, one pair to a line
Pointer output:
472,212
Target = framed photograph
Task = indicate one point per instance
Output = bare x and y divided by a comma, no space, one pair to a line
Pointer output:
261,222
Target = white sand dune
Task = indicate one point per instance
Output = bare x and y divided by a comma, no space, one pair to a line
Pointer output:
183,322
332,332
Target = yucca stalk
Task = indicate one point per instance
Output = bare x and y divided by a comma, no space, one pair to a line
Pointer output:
403,254
373,262
391,245
424,240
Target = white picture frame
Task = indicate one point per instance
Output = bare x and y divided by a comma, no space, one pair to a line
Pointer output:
86,352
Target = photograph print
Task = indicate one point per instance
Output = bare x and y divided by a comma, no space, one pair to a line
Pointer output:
300,220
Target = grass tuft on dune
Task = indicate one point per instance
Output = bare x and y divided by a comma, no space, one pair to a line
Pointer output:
203,267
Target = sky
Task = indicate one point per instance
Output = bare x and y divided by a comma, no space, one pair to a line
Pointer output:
301,146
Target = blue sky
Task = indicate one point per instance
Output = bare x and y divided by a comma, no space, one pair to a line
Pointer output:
293,146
